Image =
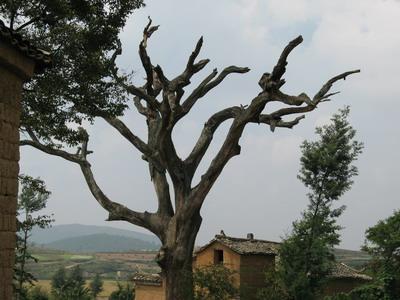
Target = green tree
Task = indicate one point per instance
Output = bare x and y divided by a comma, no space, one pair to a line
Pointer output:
76,285
69,285
31,200
274,289
96,285
214,282
59,283
383,243
85,84
126,292
327,169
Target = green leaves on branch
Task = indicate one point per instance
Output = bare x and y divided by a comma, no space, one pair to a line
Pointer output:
214,282
326,164
32,199
383,244
69,286
81,36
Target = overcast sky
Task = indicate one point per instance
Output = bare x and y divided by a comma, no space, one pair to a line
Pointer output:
258,191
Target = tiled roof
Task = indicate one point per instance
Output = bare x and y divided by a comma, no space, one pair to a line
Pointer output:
147,279
41,57
341,270
245,246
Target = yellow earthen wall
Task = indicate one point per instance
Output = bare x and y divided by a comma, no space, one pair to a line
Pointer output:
231,260
149,292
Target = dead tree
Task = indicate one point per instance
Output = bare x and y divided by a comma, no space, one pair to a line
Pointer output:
163,102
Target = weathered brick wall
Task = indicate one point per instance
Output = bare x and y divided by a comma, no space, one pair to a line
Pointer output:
14,69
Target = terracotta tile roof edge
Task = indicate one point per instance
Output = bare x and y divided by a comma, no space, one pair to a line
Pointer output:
41,57
220,238
147,279
353,273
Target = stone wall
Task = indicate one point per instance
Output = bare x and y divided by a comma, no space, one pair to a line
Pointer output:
15,68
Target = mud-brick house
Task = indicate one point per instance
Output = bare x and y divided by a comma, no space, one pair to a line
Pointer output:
248,258
18,62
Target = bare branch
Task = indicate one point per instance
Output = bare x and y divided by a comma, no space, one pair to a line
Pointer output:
179,82
273,123
140,108
161,187
280,67
128,134
117,212
161,77
229,149
207,134
327,86
289,99
49,150
195,53
321,96
31,21
146,62
207,84
274,80
35,142
130,88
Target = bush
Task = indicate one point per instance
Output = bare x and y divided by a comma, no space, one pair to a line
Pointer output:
213,282
123,293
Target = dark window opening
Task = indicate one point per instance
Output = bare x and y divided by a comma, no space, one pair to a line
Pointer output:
218,256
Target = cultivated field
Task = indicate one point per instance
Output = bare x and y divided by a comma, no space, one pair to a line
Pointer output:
112,266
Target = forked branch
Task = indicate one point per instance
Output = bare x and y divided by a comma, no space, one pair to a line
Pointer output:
116,211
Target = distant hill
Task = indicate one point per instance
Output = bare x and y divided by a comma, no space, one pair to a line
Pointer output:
101,243
352,258
61,232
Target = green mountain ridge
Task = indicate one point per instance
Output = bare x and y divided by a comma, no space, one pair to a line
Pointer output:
65,231
101,242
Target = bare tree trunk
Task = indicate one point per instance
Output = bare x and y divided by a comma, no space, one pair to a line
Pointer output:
176,256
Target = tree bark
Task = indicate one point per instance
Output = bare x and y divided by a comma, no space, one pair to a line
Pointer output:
176,256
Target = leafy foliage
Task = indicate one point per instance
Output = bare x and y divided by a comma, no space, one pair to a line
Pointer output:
69,286
96,285
306,256
367,292
274,287
214,282
383,244
80,35
126,292
32,198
